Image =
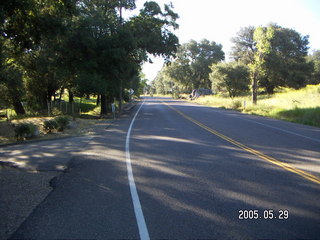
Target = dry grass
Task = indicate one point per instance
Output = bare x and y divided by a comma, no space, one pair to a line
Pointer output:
301,106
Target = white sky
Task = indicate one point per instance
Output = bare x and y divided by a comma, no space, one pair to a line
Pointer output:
220,20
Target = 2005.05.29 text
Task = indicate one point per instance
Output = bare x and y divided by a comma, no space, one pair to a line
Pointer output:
263,214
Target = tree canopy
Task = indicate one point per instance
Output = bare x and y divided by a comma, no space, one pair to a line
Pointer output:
314,59
230,77
262,59
88,47
84,46
277,57
191,67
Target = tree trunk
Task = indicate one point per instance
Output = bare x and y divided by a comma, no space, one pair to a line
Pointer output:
60,95
104,106
254,90
98,100
120,98
270,89
71,101
18,107
43,101
70,96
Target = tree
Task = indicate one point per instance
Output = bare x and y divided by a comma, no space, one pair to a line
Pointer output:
315,60
244,46
85,46
13,17
42,75
152,29
163,84
24,24
231,77
110,48
285,64
11,78
202,56
142,84
180,72
191,68
263,37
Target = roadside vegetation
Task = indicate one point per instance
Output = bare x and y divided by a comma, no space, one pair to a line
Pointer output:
63,120
77,59
271,73
65,60
299,106
81,48
263,59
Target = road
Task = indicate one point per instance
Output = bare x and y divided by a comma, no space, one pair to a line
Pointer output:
196,171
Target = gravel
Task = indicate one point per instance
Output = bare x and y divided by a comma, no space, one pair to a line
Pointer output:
20,192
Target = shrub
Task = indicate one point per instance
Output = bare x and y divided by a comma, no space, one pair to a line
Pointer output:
25,131
62,121
236,104
50,125
56,111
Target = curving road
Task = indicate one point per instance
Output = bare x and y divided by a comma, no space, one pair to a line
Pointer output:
199,172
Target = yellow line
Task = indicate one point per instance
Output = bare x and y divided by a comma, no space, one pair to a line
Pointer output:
285,166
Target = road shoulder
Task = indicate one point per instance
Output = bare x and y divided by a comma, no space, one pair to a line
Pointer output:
24,186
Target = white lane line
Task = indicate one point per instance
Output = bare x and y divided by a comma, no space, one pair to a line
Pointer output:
282,130
143,230
266,125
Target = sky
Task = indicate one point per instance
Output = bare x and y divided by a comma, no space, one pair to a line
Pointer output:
220,20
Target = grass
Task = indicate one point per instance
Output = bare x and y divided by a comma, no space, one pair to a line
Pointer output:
300,106
87,107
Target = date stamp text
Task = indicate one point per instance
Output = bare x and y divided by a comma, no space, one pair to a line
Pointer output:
268,214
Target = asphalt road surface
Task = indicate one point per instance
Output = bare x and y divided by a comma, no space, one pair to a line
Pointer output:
197,173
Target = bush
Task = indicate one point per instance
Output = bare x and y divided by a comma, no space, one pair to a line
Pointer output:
50,125
236,104
56,111
62,121
25,131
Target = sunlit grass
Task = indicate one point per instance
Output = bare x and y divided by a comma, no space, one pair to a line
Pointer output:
301,106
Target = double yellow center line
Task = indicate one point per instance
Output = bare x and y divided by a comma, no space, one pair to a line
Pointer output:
250,150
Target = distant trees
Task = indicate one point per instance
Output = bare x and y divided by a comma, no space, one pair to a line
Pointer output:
191,67
287,64
87,47
230,77
276,57
163,84
314,59
84,47
263,59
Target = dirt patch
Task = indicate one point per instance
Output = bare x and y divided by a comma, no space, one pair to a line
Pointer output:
76,127
6,132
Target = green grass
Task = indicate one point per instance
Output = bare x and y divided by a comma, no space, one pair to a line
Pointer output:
300,106
88,107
